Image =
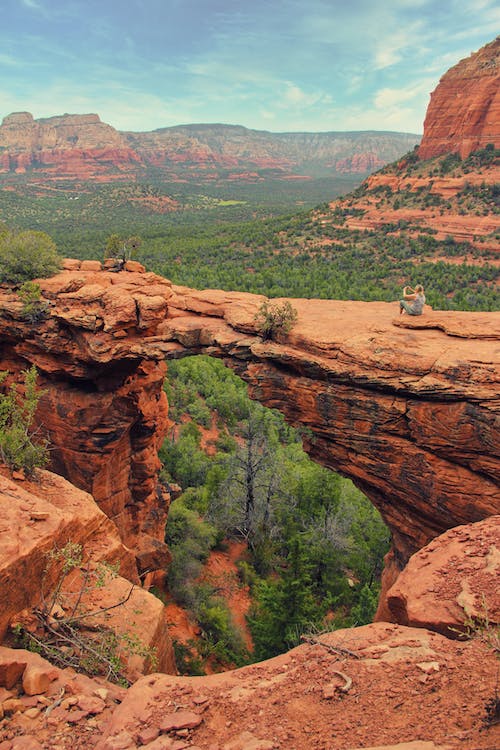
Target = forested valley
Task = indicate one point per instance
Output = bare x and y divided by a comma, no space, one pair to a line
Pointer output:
312,543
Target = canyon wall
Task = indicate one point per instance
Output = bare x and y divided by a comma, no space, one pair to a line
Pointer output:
408,408
464,110
82,147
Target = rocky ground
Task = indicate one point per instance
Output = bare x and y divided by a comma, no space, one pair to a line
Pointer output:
379,685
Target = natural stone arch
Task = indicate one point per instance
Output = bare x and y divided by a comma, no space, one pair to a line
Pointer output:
407,408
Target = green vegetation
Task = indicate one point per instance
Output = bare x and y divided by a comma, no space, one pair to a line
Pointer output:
18,448
26,255
263,239
120,247
315,542
34,308
274,319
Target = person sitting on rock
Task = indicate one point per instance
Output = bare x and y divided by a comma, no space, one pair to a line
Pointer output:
413,300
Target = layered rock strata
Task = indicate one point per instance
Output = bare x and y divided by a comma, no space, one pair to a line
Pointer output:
408,408
83,147
464,110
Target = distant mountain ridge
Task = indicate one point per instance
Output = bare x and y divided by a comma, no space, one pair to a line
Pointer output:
83,147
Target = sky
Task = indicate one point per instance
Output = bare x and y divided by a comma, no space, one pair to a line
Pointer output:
278,65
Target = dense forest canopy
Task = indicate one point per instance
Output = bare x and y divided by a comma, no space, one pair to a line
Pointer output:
253,237
315,543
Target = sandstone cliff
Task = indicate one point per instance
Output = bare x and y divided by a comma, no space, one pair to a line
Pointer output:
40,517
430,192
464,111
70,145
408,408
83,147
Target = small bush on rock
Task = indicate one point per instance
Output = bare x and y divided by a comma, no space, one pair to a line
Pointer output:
63,630
273,319
34,308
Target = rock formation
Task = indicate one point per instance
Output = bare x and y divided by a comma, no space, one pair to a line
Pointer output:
421,195
69,145
382,683
451,580
41,517
408,408
82,147
379,687
464,110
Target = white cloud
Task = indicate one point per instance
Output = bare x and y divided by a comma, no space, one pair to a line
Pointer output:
32,4
296,97
392,97
393,46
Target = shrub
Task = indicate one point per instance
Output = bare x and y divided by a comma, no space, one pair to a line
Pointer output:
17,449
27,255
121,248
273,319
34,308
66,632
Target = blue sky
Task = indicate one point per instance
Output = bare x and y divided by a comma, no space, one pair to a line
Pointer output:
279,65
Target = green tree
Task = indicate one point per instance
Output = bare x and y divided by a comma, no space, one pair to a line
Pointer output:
362,613
273,319
17,413
34,308
121,248
27,255
285,608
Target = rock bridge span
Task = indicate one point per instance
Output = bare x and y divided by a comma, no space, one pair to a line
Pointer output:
407,408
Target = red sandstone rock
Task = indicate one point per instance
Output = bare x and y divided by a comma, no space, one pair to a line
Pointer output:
464,110
91,704
36,680
71,515
11,670
71,264
288,692
90,265
418,437
134,267
451,581
81,146
26,743
180,720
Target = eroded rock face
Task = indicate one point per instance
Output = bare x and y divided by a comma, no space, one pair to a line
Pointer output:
408,408
72,145
464,110
380,686
81,146
452,580
301,703
42,516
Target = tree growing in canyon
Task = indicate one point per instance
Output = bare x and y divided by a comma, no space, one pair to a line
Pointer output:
34,308
18,449
273,319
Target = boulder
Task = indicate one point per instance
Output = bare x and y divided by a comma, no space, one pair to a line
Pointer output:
451,584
